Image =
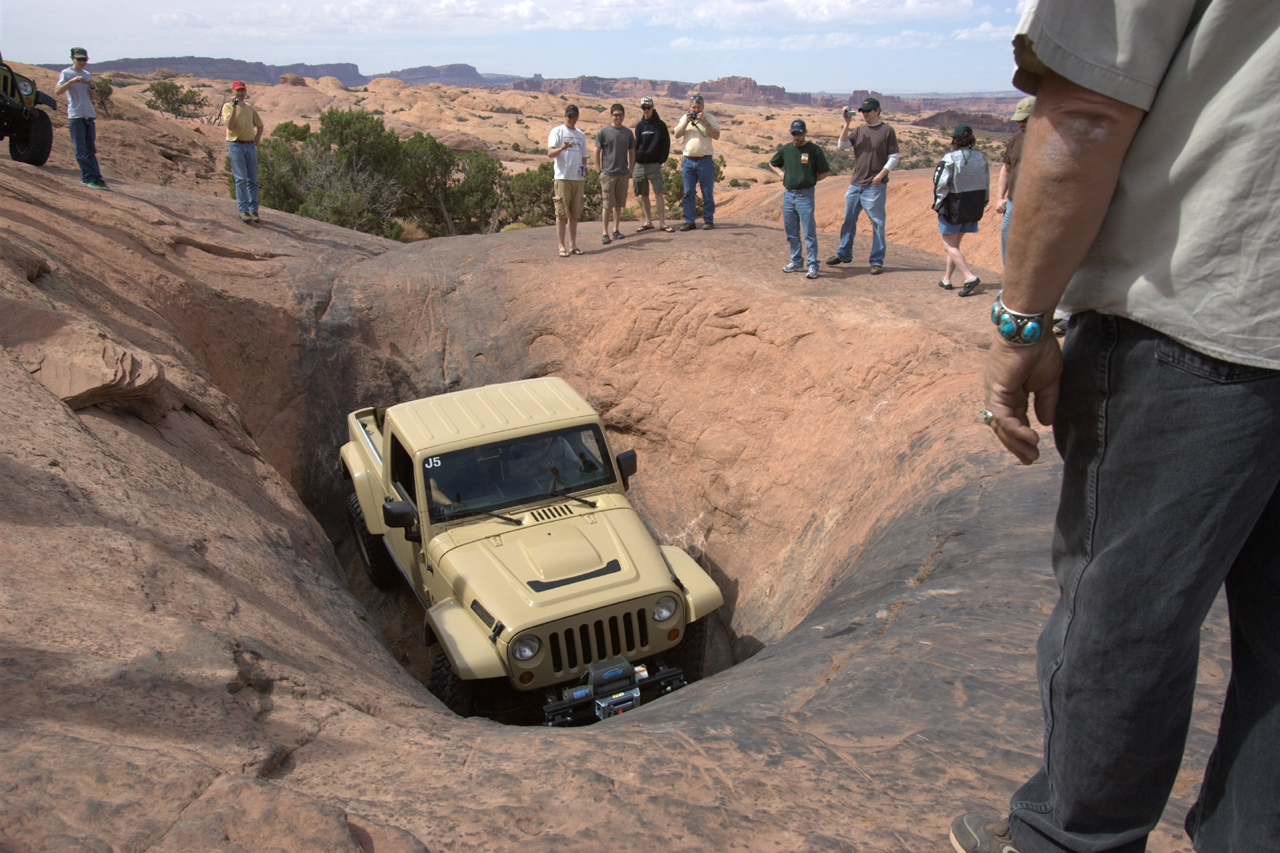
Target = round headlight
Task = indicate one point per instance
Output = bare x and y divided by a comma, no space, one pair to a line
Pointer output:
664,608
26,88
525,647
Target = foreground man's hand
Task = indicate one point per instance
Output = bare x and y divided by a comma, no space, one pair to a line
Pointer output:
1013,376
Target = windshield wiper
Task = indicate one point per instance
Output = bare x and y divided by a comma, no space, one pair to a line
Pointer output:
490,514
560,493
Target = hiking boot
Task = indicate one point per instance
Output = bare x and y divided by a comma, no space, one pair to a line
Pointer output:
973,833
245,217
969,286
876,269
253,214
812,273
688,226
707,226
793,267
836,259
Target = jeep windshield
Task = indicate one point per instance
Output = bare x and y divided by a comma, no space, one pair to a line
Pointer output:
491,477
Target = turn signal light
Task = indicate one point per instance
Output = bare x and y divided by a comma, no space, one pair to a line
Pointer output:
672,634
526,677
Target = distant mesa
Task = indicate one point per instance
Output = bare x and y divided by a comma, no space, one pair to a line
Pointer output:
948,119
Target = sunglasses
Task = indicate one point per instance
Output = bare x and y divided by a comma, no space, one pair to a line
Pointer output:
617,115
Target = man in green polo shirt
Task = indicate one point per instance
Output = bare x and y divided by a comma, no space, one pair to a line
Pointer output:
803,164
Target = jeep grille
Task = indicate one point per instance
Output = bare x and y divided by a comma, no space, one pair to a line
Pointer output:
598,640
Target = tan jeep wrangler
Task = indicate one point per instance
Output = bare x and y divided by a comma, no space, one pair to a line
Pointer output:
505,512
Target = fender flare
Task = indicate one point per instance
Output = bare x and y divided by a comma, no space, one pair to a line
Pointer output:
468,648
701,594
365,487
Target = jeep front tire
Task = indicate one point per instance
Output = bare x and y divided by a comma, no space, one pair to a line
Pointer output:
32,143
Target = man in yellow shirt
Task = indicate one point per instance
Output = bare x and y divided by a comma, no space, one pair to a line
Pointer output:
244,132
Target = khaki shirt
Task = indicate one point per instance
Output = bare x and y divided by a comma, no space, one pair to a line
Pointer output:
697,142
242,122
1188,246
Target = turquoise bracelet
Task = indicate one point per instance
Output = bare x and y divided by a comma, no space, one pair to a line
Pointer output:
1018,329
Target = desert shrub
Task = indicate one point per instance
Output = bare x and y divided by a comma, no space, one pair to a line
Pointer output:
530,196
515,146
165,74
292,131
735,183
104,90
171,98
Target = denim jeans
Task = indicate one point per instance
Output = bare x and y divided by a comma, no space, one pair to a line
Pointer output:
699,172
1004,231
857,199
244,166
84,139
797,212
1171,461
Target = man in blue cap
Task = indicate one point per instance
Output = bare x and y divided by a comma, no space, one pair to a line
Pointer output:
803,164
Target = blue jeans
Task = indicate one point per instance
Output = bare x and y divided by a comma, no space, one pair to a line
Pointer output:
699,172
1004,231
84,139
797,212
1171,463
857,199
244,166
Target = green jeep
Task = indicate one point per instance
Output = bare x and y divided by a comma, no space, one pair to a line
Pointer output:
29,129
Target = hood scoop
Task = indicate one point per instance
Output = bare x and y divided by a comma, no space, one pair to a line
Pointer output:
550,513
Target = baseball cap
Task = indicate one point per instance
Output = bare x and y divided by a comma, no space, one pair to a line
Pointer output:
79,53
646,102
868,105
1024,108
571,110
239,84
961,130
797,126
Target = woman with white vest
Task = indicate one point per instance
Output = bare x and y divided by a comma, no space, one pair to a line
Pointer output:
961,188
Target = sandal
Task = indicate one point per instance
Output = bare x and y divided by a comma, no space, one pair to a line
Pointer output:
668,229
564,253
575,251
644,228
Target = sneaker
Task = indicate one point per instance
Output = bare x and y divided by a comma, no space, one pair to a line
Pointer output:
707,226
812,273
688,226
617,235
876,269
945,285
604,241
245,217
836,259
973,833
99,184
253,214
969,286
793,267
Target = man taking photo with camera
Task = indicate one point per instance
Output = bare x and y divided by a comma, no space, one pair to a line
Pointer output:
698,128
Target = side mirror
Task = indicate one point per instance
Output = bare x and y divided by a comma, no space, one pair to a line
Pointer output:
626,467
402,514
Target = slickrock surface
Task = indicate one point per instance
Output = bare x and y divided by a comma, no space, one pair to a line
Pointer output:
185,668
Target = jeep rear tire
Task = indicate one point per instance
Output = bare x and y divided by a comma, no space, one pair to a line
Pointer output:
31,144
378,565
457,695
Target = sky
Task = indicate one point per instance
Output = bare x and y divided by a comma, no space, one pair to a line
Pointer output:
890,46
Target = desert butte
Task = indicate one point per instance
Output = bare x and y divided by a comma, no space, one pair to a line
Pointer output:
193,659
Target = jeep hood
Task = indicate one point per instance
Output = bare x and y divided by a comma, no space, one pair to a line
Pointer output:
606,555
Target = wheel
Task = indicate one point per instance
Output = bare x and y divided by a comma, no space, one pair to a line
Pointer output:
457,695
378,565
691,655
33,143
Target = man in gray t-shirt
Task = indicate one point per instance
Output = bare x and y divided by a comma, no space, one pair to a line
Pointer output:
615,157
1146,195
77,84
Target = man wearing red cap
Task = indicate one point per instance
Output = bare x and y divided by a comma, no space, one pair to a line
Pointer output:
244,132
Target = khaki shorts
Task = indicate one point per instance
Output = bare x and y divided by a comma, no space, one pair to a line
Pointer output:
614,189
569,199
646,174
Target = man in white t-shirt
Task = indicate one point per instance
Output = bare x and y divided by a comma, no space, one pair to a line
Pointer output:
77,84
1146,195
567,147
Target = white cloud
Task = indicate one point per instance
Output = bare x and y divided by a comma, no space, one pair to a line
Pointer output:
986,31
906,40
